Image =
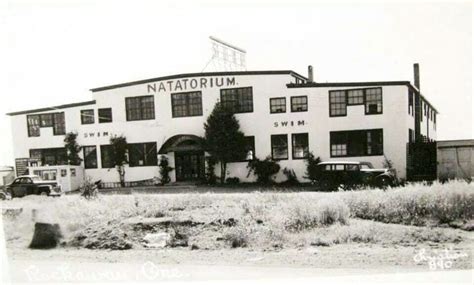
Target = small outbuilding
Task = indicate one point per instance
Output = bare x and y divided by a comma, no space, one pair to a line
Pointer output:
455,159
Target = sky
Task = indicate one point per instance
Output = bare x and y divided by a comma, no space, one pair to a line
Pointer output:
52,52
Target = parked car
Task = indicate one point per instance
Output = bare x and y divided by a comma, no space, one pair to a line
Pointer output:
33,185
345,175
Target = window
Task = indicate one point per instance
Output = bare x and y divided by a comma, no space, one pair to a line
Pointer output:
90,157
142,154
105,115
87,117
410,102
140,108
238,100
279,147
186,104
49,156
33,122
46,120
356,143
355,97
299,104
59,124
337,103
411,135
278,105
300,147
106,153
250,148
373,101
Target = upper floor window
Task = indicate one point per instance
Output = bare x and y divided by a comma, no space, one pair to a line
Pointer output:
410,102
300,146
355,97
90,156
105,115
59,124
279,147
238,100
142,154
186,104
373,101
299,104
337,103
87,117
140,108
33,122
46,120
356,143
278,105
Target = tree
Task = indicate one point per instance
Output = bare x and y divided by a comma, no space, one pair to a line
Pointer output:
119,155
223,139
72,149
312,169
165,170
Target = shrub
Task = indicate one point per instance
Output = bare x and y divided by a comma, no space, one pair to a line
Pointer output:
312,169
233,180
263,169
291,178
211,177
165,170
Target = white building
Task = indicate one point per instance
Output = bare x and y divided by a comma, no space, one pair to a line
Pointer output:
285,115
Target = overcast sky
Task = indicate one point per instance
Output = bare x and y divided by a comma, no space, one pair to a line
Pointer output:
55,51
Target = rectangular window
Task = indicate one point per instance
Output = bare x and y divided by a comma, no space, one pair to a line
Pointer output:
106,153
410,102
411,135
46,120
49,156
142,154
355,97
59,124
105,115
356,143
238,100
87,117
250,148
373,101
278,105
186,104
33,122
90,157
299,104
337,103
300,146
140,108
279,147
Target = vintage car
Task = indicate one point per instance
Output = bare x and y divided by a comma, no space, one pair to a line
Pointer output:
346,175
33,185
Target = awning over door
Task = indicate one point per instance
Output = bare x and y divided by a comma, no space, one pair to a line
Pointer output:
182,143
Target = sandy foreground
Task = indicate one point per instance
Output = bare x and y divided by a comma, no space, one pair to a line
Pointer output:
340,262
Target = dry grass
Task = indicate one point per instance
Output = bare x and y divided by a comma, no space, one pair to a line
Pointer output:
260,220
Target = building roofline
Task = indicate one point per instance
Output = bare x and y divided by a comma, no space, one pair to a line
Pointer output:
52,108
184,75
362,84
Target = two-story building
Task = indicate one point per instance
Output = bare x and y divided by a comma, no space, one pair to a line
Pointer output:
283,114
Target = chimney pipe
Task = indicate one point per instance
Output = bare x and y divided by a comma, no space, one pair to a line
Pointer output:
310,74
416,73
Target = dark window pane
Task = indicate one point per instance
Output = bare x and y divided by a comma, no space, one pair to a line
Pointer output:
59,124
46,120
49,156
105,115
33,122
140,108
279,146
142,154
90,157
356,143
87,117
238,100
186,104
300,145
106,155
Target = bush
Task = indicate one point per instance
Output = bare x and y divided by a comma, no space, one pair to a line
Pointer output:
211,177
312,169
263,169
291,179
233,180
165,170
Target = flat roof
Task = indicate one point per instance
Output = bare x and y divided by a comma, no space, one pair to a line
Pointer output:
455,143
52,108
361,84
184,75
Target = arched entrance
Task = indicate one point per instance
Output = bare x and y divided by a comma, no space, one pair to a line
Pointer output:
188,156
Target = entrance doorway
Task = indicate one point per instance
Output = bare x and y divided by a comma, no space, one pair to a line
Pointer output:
189,165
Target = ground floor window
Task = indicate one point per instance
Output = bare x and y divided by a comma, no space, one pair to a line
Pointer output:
300,146
90,156
106,156
142,154
49,156
279,147
356,143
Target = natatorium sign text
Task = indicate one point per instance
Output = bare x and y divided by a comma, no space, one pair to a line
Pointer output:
191,84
